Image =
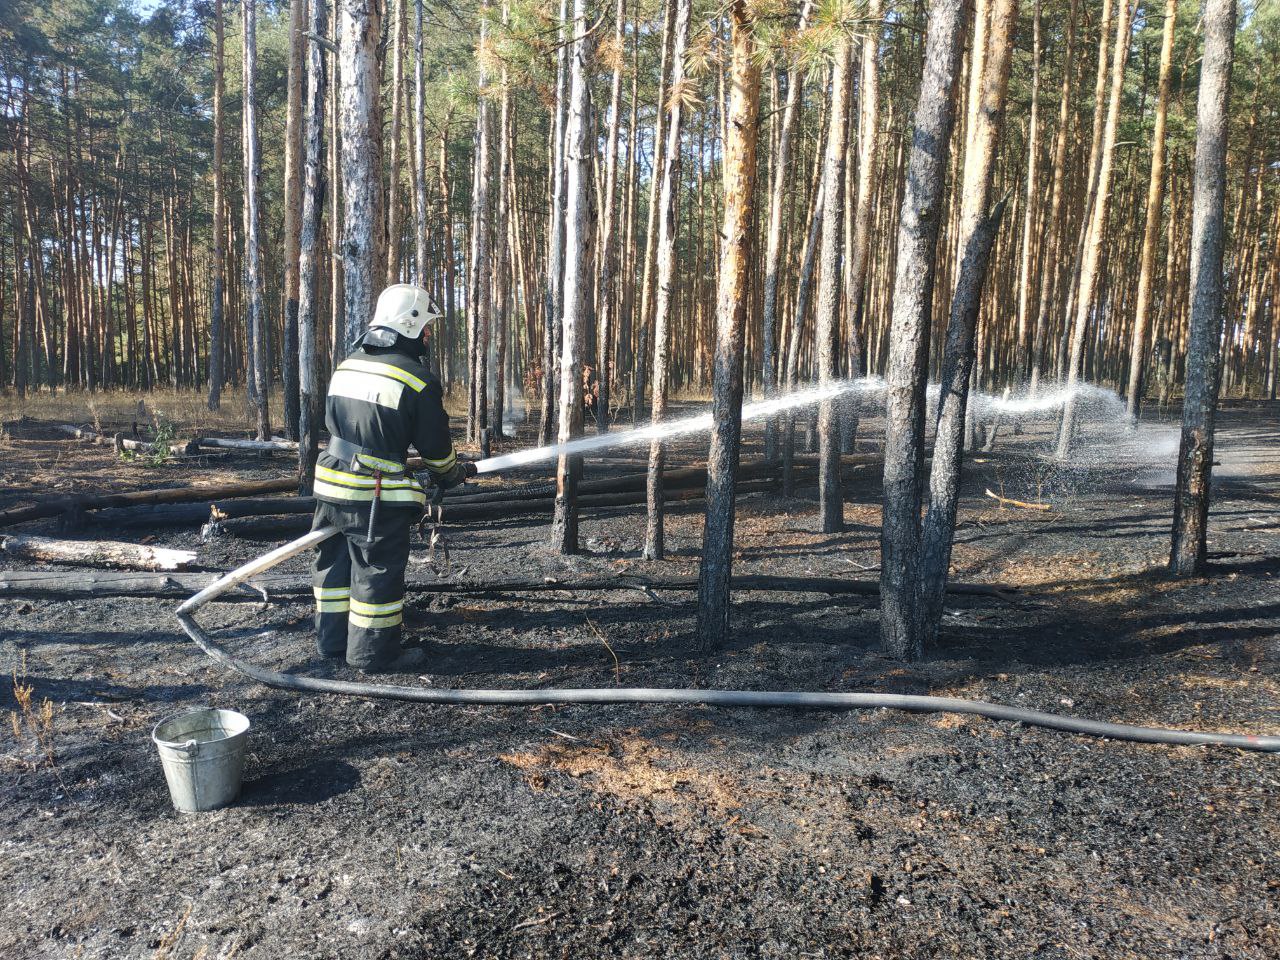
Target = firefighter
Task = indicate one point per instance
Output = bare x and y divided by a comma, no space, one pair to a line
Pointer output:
382,400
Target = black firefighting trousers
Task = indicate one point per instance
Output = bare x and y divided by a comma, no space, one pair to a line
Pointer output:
359,583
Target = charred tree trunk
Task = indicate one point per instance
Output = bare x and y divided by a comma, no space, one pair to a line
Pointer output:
827,325
1195,456
310,371
978,230
257,323
292,216
1155,212
732,302
554,300
1091,259
666,263
907,371
578,150
217,335
361,125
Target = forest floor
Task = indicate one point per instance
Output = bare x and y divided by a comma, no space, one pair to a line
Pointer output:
386,830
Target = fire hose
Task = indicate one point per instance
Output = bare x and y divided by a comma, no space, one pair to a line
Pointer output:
794,700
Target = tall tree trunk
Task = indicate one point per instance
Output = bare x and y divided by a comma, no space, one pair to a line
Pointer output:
1195,455
419,152
293,214
554,300
310,372
608,257
339,342
648,273
481,281
217,348
450,268
1091,268
500,307
978,229
1053,223
666,263
907,371
827,318
1155,211
361,125
395,229
257,323
868,139
578,148
773,257
1030,209
732,302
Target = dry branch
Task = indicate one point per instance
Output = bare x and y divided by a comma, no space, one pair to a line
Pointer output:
97,553
1007,502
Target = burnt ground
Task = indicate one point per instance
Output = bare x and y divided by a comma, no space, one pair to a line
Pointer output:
380,830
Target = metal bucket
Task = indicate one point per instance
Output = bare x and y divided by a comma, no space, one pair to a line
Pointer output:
202,751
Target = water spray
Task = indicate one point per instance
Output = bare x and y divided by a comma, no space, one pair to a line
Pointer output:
760,699
684,426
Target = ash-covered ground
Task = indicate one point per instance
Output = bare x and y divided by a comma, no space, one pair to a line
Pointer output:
379,830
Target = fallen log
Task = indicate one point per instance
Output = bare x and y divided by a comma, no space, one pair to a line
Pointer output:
44,584
162,515
286,525
178,448
97,553
257,446
681,479
191,494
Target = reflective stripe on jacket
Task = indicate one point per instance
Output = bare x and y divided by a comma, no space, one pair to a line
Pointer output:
383,399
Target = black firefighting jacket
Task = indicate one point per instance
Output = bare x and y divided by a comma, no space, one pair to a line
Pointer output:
381,401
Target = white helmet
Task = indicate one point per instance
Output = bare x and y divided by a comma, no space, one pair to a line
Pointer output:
404,308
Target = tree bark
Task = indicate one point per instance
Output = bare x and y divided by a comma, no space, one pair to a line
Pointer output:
481,282
554,299
310,369
732,302
96,553
578,270
978,229
773,257
257,323
666,265
827,325
293,215
395,229
1090,264
361,124
217,347
907,371
608,256
1155,212
1195,455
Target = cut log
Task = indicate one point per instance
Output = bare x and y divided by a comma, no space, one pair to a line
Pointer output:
150,517
257,446
44,584
97,553
192,494
178,448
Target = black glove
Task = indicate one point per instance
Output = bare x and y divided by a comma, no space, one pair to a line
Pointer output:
456,475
